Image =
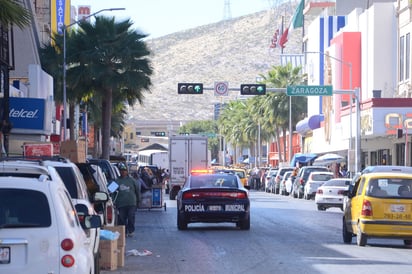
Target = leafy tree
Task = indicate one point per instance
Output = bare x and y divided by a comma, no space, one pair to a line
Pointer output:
209,128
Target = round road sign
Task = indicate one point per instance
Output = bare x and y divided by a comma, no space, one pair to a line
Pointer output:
221,88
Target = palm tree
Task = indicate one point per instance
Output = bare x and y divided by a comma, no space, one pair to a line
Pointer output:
109,60
277,104
240,121
12,13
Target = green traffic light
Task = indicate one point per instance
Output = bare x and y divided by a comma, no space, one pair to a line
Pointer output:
260,89
198,88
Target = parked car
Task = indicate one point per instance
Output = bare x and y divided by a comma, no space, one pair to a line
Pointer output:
107,168
96,181
314,181
40,230
379,206
300,180
270,179
77,187
288,182
278,178
331,193
215,198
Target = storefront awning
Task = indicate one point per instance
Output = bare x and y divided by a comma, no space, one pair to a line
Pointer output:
308,124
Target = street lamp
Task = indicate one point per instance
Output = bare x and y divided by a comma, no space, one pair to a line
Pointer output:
64,63
352,92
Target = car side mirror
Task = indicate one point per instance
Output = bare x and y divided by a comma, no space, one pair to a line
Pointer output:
100,197
91,221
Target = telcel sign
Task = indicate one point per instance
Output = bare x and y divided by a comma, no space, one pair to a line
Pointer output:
309,90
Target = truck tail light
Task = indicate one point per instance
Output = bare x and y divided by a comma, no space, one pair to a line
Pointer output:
67,260
67,244
366,208
109,214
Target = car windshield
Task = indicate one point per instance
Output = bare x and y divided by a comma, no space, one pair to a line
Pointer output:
17,208
213,181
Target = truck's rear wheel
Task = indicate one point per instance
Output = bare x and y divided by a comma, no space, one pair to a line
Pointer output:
172,194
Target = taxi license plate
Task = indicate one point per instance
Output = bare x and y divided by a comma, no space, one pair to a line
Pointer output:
215,208
4,255
397,216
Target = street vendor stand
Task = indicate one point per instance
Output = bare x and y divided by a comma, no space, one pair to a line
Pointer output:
152,198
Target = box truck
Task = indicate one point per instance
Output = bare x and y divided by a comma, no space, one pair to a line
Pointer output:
186,153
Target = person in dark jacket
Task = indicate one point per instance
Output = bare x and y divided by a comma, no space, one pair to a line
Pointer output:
127,200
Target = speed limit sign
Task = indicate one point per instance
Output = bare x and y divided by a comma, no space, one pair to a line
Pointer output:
221,88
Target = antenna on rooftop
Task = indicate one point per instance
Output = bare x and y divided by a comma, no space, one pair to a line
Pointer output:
227,14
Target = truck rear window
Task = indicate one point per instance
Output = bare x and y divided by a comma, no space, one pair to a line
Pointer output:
23,208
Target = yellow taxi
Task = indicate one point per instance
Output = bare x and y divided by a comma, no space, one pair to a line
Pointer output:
240,172
379,206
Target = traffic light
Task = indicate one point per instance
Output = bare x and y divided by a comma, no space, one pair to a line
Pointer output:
190,88
253,89
160,133
400,133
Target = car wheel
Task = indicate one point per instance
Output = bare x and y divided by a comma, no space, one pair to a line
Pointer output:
407,242
244,224
294,194
347,236
97,263
361,239
181,221
321,208
300,195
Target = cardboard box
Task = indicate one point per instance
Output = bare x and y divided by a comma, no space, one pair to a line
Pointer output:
120,256
108,254
121,242
75,151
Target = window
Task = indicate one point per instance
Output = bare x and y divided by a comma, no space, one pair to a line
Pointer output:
401,58
15,205
407,55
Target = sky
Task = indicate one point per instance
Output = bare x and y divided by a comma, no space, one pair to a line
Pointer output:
157,18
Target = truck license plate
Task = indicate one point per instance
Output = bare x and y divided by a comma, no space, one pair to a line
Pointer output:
4,255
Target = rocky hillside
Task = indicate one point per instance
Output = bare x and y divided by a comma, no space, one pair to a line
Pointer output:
236,51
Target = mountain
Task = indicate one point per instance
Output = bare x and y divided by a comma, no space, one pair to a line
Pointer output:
236,51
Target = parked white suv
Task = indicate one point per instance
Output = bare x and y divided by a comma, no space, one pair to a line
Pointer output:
76,185
40,231
67,172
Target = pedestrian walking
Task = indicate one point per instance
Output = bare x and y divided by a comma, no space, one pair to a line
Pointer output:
127,200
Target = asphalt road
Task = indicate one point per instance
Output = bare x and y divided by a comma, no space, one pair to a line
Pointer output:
287,236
